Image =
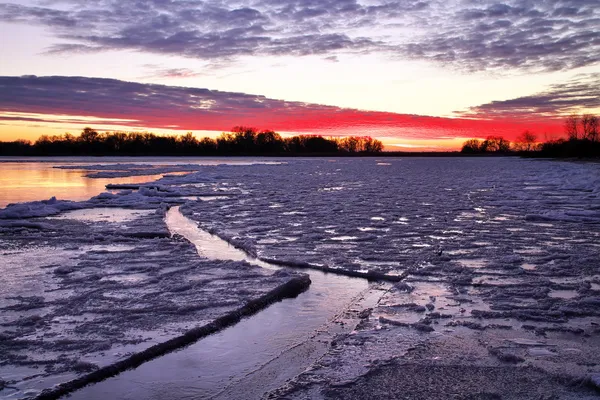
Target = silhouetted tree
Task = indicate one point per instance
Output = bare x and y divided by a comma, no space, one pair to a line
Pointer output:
207,146
359,144
317,144
594,129
240,141
471,146
371,145
269,142
495,144
349,144
582,142
526,141
244,138
589,127
572,127
88,135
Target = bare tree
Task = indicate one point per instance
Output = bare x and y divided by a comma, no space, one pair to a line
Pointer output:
571,127
89,135
371,145
471,146
351,144
526,141
493,144
594,128
589,124
585,125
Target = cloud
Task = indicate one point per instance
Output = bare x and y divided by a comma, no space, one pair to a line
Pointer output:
464,34
575,96
175,73
88,100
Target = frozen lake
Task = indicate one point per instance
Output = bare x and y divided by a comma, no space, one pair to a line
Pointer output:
501,251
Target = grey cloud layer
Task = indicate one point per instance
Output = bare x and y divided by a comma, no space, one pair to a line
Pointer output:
581,93
64,94
467,34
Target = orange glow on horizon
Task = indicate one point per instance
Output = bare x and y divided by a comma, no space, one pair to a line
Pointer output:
398,132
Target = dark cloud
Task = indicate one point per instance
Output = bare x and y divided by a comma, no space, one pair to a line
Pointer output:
517,34
577,95
151,105
92,101
467,34
54,119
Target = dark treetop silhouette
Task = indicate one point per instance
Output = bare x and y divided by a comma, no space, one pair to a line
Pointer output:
240,141
583,135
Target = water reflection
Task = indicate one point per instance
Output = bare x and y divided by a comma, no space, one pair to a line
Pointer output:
34,179
22,182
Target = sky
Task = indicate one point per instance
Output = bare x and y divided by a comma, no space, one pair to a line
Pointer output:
418,75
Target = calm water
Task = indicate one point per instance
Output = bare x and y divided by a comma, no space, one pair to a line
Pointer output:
32,179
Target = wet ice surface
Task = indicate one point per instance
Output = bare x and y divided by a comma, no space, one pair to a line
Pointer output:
502,247
176,167
258,354
497,253
86,290
207,245
112,215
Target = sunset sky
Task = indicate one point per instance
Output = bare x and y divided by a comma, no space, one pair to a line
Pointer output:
419,75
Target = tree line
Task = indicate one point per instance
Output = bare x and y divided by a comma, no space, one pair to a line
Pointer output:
240,141
583,140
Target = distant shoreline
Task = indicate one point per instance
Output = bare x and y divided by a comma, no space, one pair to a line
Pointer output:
383,154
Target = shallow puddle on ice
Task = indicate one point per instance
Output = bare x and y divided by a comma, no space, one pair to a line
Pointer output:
207,245
472,263
110,248
343,238
566,280
113,215
563,294
125,278
494,280
212,198
537,352
259,353
529,250
458,252
528,267
204,198
267,241
190,198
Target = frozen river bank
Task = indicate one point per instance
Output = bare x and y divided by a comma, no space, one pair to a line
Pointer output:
499,261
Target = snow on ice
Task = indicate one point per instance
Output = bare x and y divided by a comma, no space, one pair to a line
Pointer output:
489,250
87,288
